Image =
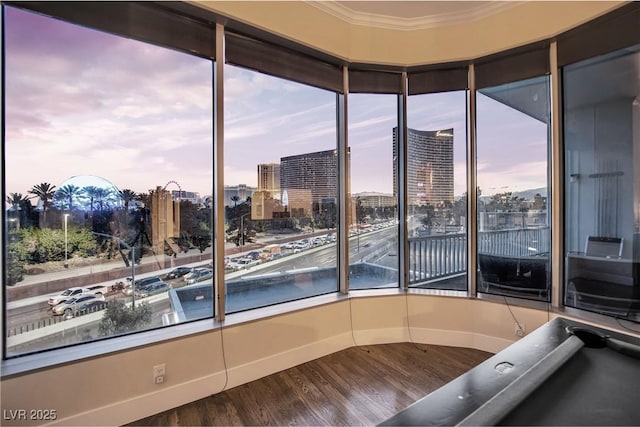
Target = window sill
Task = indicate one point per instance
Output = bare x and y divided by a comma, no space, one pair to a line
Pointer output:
21,365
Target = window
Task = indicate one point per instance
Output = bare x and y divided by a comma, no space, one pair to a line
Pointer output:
107,177
280,190
373,223
602,183
512,174
436,191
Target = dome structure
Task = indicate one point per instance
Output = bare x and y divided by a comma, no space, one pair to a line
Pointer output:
87,193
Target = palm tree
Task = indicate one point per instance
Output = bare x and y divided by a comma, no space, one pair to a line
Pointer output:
91,193
45,193
101,195
146,198
68,193
20,207
17,200
235,200
127,196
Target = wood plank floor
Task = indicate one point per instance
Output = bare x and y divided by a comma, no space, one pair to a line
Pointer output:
358,386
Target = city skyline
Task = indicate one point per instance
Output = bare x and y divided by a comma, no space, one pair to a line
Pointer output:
140,116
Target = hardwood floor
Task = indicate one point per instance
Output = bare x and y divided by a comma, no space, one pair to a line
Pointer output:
358,386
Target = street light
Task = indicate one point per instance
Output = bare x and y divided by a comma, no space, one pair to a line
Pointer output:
133,264
242,226
66,241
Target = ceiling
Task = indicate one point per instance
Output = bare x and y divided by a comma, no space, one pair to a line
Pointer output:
410,15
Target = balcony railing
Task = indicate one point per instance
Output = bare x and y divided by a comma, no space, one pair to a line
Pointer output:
437,257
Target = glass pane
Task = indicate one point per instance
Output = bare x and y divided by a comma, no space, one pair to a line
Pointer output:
280,190
602,184
437,195
514,237
108,150
373,224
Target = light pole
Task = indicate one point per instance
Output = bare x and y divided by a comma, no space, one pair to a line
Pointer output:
242,226
133,264
66,241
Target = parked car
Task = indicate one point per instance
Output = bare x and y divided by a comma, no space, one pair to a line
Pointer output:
199,275
68,306
178,272
153,289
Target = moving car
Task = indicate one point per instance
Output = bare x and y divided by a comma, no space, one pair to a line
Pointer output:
89,306
128,290
178,272
199,274
152,289
69,305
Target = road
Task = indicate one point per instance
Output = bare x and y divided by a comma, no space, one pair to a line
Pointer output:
373,247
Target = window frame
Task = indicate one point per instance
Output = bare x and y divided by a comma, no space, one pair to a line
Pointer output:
574,40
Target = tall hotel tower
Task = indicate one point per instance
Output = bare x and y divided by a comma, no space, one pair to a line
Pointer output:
429,166
316,172
265,200
269,177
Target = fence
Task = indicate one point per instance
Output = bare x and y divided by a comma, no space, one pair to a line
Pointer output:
53,320
442,256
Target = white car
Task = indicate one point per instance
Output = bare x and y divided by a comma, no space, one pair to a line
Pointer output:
68,294
69,305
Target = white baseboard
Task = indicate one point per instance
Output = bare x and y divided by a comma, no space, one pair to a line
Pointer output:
127,411
259,368
124,412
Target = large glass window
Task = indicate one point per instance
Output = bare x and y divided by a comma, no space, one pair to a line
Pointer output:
602,183
436,190
107,176
280,190
373,224
513,128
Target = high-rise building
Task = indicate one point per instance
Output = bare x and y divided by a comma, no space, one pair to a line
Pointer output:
266,199
429,166
316,172
269,177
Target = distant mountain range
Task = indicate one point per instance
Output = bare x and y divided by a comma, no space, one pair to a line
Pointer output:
530,194
524,194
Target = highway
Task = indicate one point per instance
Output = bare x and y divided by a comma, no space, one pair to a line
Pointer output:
374,246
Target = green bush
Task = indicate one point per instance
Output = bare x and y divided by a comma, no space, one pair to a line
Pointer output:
16,258
43,245
120,319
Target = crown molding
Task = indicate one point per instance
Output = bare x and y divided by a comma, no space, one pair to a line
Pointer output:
344,13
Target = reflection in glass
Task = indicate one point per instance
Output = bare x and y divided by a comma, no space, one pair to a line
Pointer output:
108,148
280,190
514,237
436,190
602,183
373,225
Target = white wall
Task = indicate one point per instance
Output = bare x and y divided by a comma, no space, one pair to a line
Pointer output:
117,388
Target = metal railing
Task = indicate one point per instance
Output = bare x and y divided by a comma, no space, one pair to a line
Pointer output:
442,256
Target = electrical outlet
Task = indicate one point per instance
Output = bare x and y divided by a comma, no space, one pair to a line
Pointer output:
159,371
520,329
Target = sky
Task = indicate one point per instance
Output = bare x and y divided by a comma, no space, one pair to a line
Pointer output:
82,102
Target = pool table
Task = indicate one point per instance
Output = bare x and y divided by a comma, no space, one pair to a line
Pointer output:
563,373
